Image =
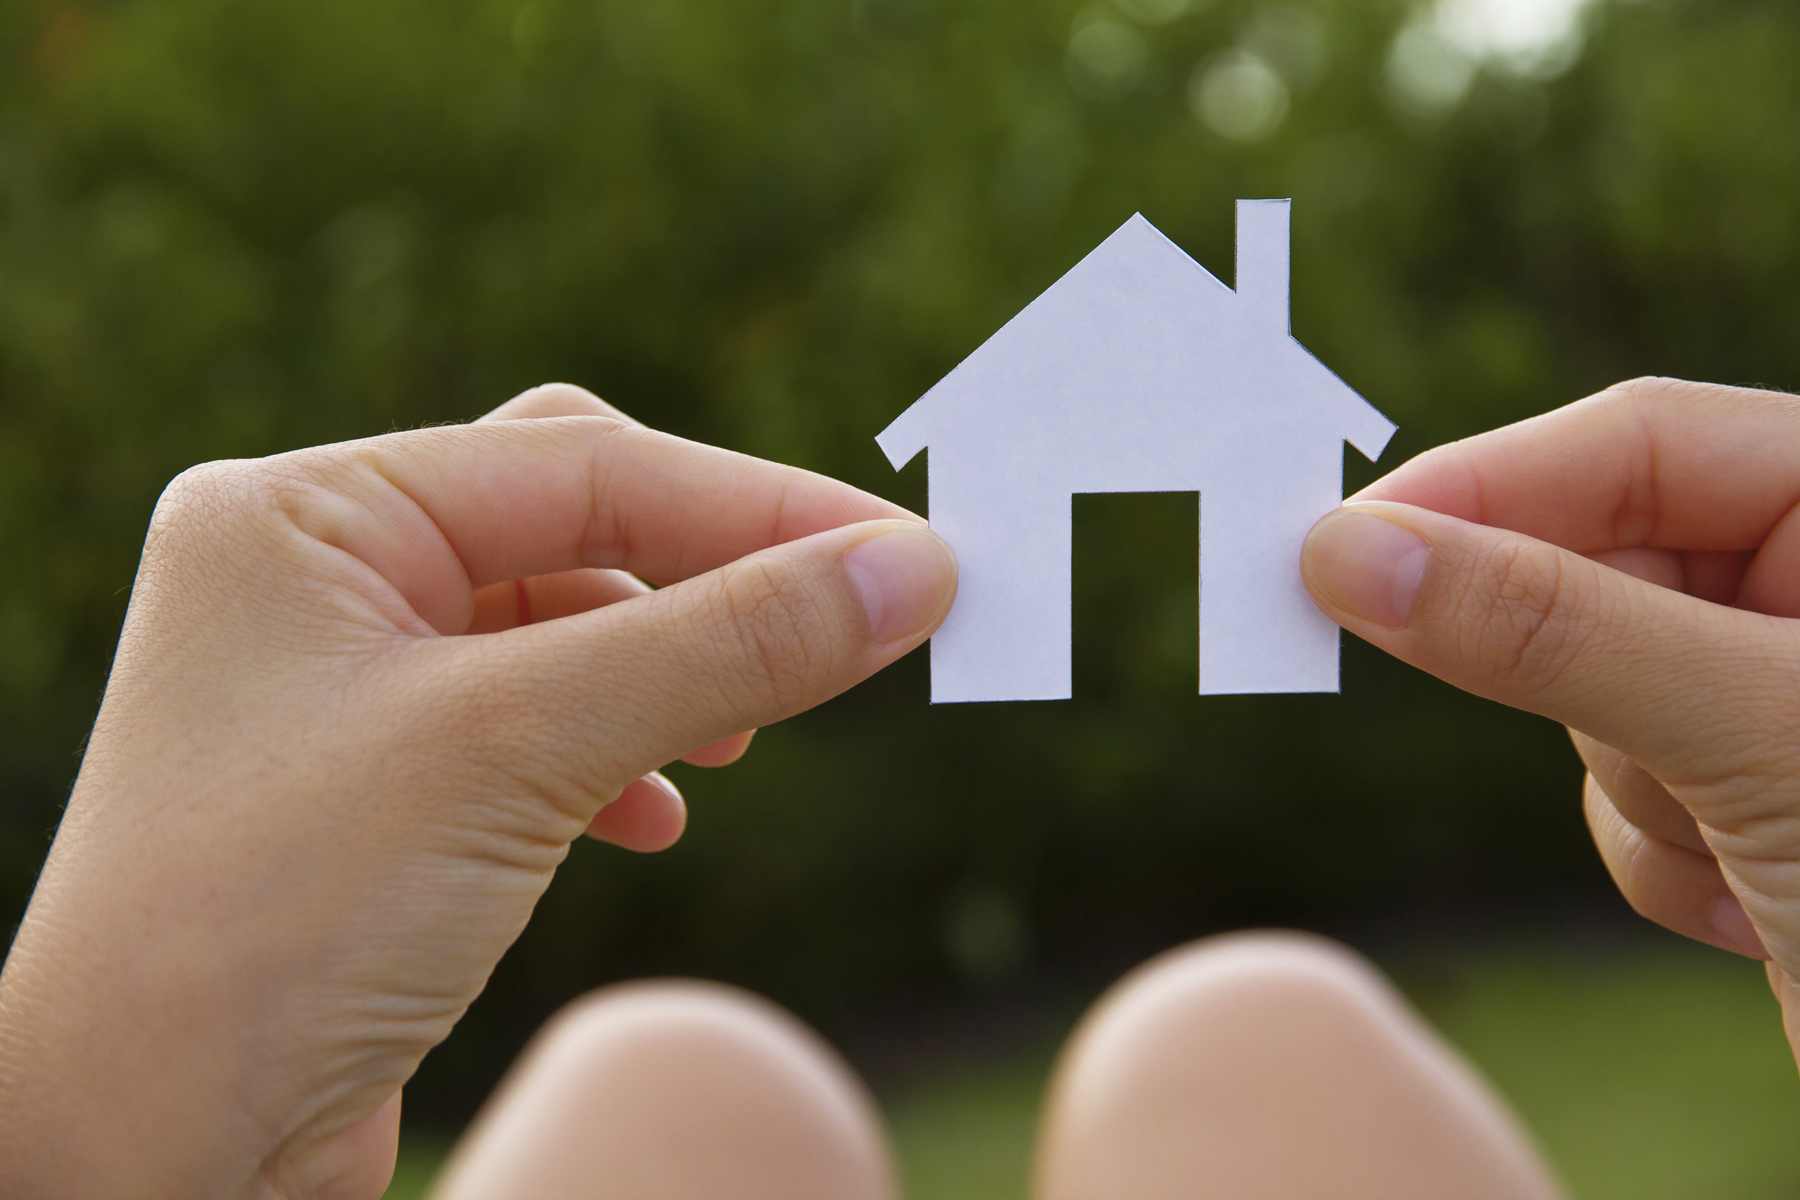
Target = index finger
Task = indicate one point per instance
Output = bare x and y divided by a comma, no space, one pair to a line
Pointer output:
1654,462
439,512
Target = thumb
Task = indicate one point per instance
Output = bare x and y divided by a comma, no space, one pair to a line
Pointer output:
1660,675
597,699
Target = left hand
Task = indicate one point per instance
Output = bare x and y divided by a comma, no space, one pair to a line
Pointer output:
334,768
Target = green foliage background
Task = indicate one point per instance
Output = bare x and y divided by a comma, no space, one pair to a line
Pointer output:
229,228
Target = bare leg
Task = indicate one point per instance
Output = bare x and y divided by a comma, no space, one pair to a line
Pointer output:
1273,1066
674,1090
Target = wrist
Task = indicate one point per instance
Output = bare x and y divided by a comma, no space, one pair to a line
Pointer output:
106,1088
58,1135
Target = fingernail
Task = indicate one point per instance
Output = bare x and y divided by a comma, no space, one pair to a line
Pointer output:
1732,925
904,577
661,783
1365,565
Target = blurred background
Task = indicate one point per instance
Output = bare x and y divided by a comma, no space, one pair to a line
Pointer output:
229,228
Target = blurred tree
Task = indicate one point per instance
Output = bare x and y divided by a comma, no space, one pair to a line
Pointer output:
230,228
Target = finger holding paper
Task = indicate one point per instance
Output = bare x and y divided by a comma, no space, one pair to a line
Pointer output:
314,800
1629,566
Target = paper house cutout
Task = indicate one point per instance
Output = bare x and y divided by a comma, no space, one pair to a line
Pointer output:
1138,371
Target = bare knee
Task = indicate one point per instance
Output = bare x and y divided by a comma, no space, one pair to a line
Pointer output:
1243,994
1281,1063
675,1088
669,1035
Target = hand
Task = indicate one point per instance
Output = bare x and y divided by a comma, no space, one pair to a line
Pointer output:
1629,566
316,808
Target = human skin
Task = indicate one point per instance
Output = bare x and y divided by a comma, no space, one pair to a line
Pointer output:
333,772
1630,567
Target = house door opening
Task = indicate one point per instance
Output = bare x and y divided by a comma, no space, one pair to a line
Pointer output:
1136,570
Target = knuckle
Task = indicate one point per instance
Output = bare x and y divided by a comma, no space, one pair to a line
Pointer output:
1638,390
199,509
209,511
1623,848
784,639
1642,392
196,495
1649,394
1629,849
568,399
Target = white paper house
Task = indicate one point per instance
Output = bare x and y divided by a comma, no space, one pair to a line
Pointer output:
1139,372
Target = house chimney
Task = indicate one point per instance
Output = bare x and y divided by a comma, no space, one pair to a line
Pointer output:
1262,263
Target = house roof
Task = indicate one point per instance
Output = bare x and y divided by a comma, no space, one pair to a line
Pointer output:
1140,357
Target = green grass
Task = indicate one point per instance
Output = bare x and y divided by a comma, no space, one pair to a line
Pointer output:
1659,1073
1653,1072
967,1135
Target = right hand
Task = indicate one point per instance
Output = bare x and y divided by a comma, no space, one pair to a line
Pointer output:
1630,566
